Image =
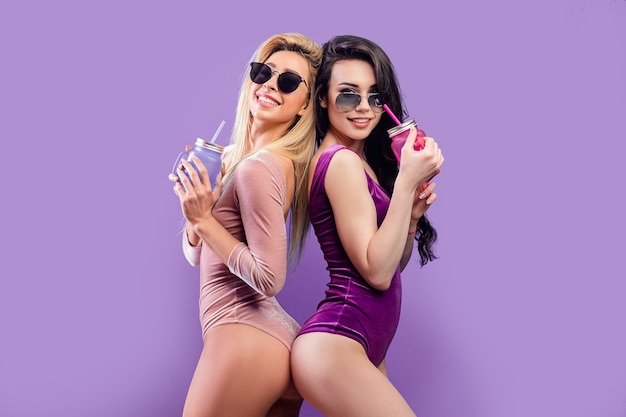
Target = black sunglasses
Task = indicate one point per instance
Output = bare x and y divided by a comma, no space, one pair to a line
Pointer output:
288,82
347,102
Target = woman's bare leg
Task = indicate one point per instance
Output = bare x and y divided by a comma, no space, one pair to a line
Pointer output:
289,404
333,373
242,371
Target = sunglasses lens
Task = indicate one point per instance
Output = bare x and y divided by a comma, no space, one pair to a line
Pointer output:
288,82
375,103
260,73
346,102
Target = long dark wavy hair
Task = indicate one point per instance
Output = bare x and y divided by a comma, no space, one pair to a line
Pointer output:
378,144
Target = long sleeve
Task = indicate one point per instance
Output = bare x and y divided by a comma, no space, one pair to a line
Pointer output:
261,261
192,253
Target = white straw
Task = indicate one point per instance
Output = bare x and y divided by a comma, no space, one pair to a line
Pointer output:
217,132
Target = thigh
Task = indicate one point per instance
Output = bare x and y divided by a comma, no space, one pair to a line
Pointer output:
288,405
242,371
334,374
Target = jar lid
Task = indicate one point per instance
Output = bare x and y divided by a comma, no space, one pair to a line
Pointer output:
208,145
402,127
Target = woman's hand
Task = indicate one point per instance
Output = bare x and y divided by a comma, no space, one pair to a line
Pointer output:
195,193
424,197
420,166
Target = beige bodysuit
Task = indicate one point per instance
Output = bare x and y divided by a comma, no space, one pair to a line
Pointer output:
251,208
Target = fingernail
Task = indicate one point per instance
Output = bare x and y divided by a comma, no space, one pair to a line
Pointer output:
422,196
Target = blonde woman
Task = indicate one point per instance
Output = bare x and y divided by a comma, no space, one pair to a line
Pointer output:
237,234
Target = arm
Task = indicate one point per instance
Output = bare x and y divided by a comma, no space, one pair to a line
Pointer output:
192,244
191,250
423,198
191,241
260,261
377,252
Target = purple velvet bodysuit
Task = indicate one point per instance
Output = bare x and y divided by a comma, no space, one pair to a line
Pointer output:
351,308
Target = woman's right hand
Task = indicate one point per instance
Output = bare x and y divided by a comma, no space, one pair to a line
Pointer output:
196,195
420,166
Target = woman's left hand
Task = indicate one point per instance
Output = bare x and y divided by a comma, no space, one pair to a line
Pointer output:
423,198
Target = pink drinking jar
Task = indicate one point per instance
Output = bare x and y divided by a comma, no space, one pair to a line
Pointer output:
400,133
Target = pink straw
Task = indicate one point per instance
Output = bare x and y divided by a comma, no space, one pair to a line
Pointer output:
393,116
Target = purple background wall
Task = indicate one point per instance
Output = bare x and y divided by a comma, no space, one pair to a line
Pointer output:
524,313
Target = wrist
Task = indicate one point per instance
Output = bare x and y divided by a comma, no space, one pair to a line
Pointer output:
192,236
203,227
404,185
413,227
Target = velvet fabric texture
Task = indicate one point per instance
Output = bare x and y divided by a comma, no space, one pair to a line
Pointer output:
351,307
251,208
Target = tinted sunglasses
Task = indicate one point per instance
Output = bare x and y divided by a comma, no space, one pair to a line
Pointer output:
347,102
287,82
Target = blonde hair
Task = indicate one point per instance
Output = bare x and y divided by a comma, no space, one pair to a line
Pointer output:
298,143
